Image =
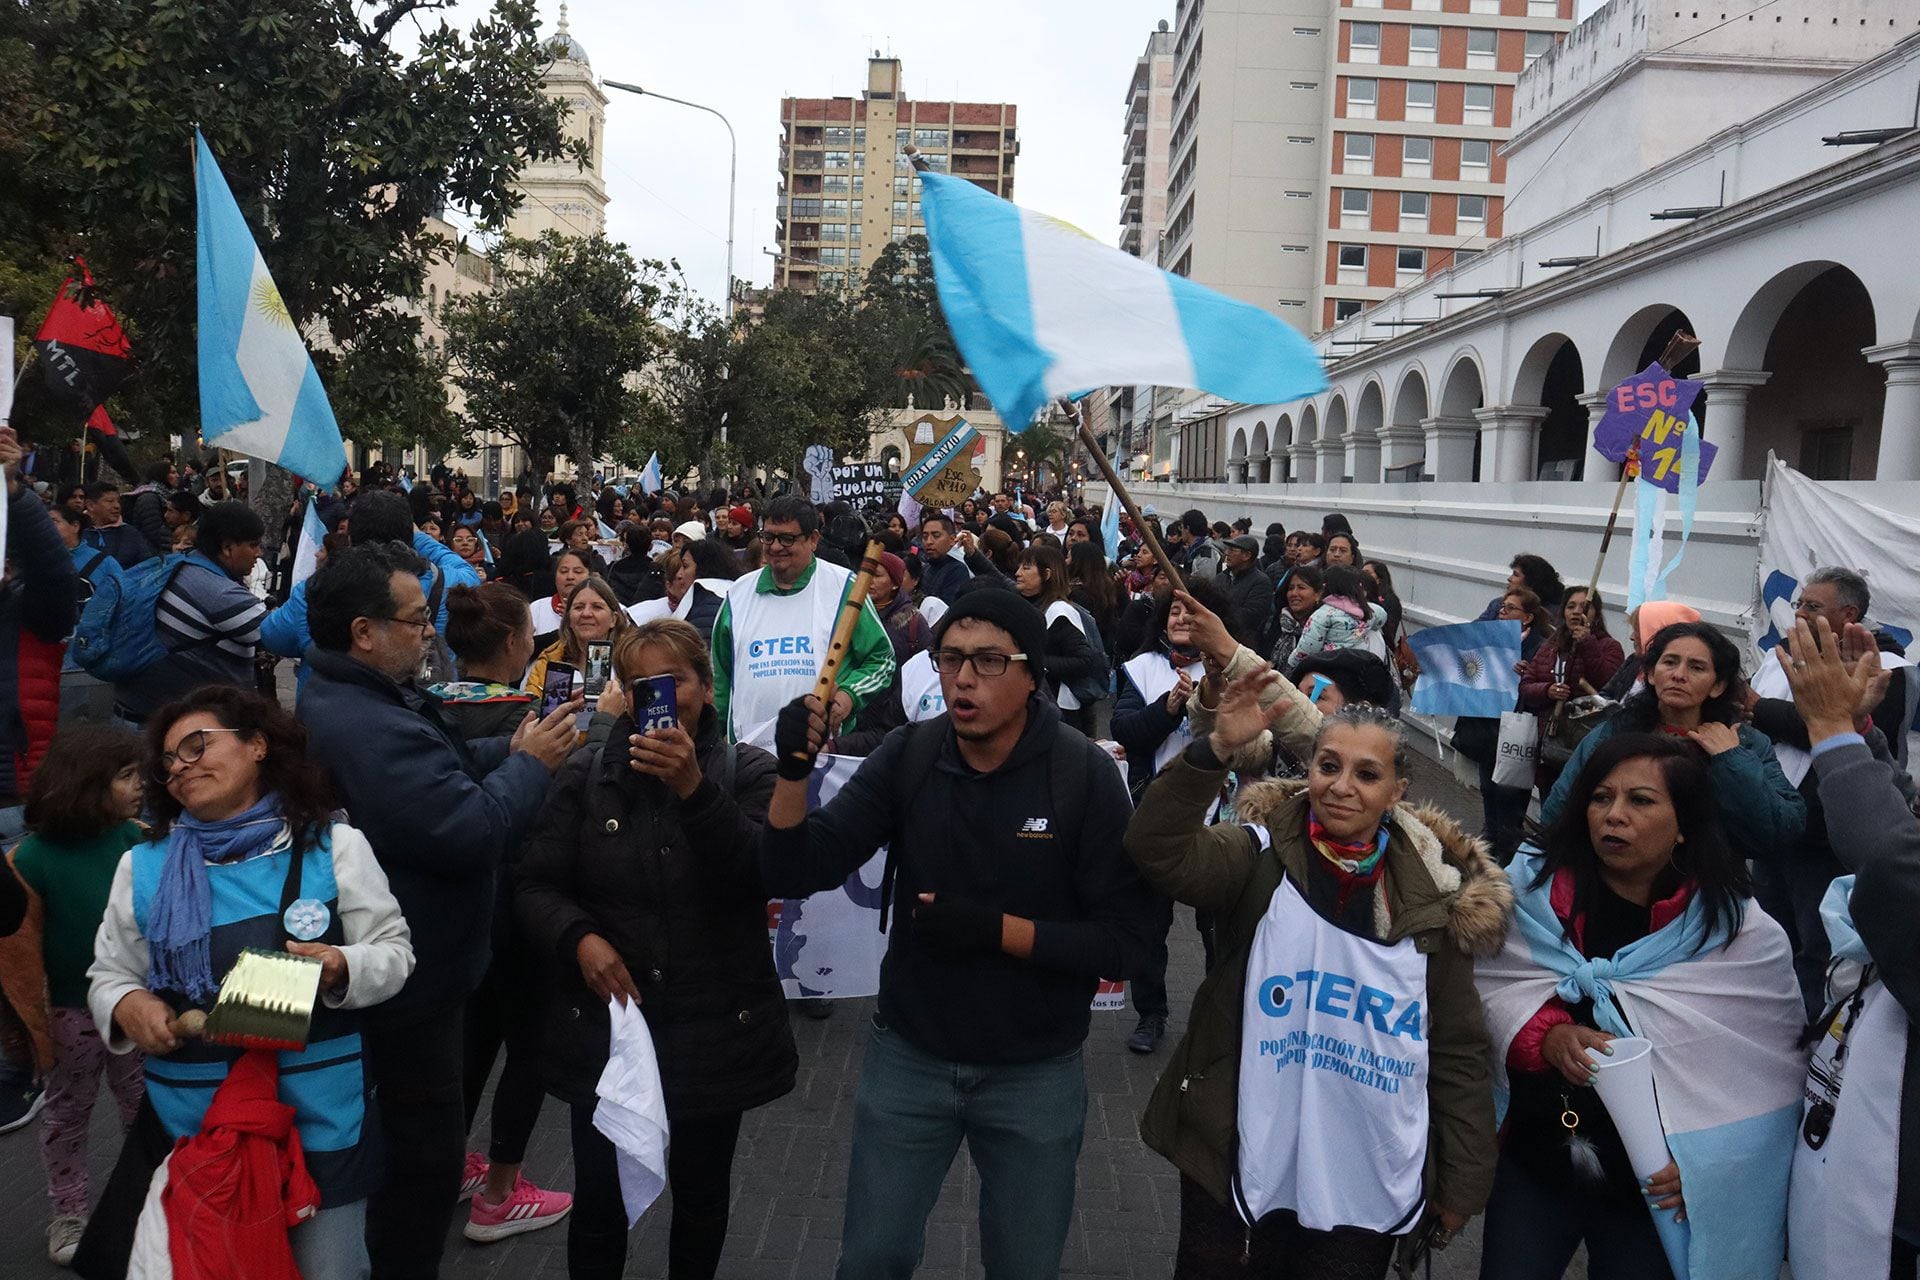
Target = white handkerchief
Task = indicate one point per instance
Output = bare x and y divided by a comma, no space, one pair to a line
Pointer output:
632,1111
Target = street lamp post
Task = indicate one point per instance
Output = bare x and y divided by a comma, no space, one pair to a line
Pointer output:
733,165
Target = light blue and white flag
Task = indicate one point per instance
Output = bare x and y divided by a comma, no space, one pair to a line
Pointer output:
650,475
259,394
1467,669
1723,1013
1040,310
1110,527
306,556
605,530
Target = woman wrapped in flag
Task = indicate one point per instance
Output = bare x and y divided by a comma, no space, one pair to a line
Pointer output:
1331,1101
1636,918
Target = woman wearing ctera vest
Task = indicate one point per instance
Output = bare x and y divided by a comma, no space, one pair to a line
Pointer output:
1333,1086
245,856
1854,1204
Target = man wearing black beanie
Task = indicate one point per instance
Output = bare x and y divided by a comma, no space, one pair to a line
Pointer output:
1010,895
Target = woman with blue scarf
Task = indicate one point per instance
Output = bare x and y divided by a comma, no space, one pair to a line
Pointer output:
245,856
1636,918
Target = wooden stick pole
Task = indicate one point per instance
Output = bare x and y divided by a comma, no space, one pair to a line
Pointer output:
843,628
1125,499
1678,348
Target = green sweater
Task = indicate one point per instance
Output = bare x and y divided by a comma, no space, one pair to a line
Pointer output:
73,880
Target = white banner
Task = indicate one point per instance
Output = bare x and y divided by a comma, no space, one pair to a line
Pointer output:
1806,525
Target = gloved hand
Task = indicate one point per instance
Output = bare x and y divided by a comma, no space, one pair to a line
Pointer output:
957,924
798,734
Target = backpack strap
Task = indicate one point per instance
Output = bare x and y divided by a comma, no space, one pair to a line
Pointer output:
93,564
918,757
436,592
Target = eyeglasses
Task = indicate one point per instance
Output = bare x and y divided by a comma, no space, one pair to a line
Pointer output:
191,748
780,539
1804,605
988,665
424,624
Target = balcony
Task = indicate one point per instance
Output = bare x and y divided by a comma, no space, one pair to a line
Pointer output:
808,161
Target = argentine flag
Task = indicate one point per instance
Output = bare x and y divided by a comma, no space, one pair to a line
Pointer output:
306,556
1042,310
259,394
650,475
1467,669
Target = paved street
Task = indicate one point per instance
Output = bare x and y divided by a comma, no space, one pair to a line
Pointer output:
790,1174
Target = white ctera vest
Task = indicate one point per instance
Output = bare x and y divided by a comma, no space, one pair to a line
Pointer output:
779,643
1333,1074
1154,676
922,695
650,610
1840,1208
1063,697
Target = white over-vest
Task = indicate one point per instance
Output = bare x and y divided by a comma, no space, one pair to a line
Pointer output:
1333,1074
1840,1207
779,642
1154,675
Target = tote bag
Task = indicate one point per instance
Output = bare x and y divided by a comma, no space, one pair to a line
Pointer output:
1518,750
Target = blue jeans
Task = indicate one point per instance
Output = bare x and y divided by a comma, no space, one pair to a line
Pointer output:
332,1245
1533,1229
1022,1125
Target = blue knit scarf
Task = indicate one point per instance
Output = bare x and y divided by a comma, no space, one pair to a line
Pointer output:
179,923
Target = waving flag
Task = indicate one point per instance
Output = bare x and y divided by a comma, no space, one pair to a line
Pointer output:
650,475
84,356
306,557
259,394
1467,669
1040,310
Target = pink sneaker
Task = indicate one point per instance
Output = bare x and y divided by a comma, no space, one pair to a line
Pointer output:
528,1209
475,1175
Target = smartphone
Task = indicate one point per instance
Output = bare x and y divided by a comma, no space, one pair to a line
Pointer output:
599,668
654,703
557,692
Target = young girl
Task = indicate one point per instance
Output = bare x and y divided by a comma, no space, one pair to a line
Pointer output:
1346,619
80,810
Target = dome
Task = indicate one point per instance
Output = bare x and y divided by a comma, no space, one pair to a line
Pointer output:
563,46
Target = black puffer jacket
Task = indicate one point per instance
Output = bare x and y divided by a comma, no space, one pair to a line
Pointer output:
675,887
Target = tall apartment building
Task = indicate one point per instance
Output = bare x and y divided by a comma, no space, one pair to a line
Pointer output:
843,195
1143,155
1419,101
1245,167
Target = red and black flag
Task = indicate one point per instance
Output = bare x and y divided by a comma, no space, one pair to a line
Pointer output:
82,349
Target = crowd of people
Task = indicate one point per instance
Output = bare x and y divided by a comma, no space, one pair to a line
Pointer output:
470,810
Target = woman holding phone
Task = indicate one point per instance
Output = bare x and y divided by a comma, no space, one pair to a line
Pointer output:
640,883
593,616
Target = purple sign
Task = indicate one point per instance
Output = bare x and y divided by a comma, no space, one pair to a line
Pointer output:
1652,408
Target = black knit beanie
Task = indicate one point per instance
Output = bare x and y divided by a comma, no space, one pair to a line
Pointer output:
991,600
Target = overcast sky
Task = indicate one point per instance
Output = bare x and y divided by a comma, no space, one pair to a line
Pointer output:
1065,63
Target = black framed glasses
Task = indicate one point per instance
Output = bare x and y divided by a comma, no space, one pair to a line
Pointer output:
988,665
780,539
191,748
424,624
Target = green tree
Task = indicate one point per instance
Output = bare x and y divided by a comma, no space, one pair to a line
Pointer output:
552,355
337,144
905,334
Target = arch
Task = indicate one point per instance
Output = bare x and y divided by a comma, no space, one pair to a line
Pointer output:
1258,455
1281,472
1336,425
1465,388
1410,401
1371,412
1822,403
1237,457
1747,342
1531,377
1306,466
1639,341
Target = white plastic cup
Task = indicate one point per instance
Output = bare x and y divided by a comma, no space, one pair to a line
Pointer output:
1624,1081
